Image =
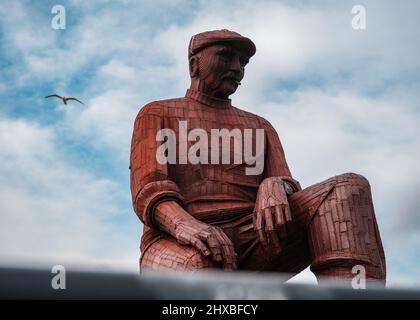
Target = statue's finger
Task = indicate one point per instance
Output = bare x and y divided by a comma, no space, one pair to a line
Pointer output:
259,228
282,227
275,241
271,231
260,221
268,218
254,219
278,215
204,235
269,225
264,195
200,246
228,250
215,248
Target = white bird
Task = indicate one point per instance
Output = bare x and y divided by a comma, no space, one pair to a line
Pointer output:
64,99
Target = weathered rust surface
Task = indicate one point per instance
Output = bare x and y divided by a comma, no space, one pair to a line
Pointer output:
206,215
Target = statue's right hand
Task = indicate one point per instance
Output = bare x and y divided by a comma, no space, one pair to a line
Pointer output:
272,213
209,240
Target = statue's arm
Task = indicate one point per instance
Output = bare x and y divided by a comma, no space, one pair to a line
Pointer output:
157,200
209,240
272,211
149,179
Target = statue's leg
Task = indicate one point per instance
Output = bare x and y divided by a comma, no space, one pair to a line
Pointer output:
168,255
343,232
295,254
333,229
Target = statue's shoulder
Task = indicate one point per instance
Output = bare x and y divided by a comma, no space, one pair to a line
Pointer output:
259,120
159,107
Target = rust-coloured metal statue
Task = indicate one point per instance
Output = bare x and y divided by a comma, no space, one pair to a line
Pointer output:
210,214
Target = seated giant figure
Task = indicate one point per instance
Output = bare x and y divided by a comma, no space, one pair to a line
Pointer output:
215,215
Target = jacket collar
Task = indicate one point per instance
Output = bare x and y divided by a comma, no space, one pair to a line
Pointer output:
208,100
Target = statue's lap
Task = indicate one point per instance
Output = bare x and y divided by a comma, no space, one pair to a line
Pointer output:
295,255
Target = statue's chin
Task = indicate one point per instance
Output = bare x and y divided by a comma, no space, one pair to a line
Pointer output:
226,90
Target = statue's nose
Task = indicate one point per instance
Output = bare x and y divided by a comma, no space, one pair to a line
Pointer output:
237,67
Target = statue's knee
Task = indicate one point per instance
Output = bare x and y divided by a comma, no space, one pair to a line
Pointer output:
196,261
354,179
350,187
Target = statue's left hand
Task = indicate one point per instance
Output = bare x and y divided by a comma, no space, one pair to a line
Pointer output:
271,213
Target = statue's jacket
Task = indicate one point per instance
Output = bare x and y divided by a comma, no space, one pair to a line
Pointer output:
210,192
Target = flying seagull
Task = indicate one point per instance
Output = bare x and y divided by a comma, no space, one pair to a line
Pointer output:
64,99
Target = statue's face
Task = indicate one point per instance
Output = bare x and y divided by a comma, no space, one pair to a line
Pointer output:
220,69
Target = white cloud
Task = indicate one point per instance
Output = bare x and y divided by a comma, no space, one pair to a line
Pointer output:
50,210
106,120
62,54
118,70
341,100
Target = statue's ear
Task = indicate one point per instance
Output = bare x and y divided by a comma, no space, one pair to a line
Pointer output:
193,64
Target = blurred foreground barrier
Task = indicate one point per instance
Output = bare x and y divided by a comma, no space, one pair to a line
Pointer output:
40,284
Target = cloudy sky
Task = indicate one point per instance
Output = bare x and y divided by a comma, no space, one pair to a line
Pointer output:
342,100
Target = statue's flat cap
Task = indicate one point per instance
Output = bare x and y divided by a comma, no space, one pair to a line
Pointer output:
205,39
